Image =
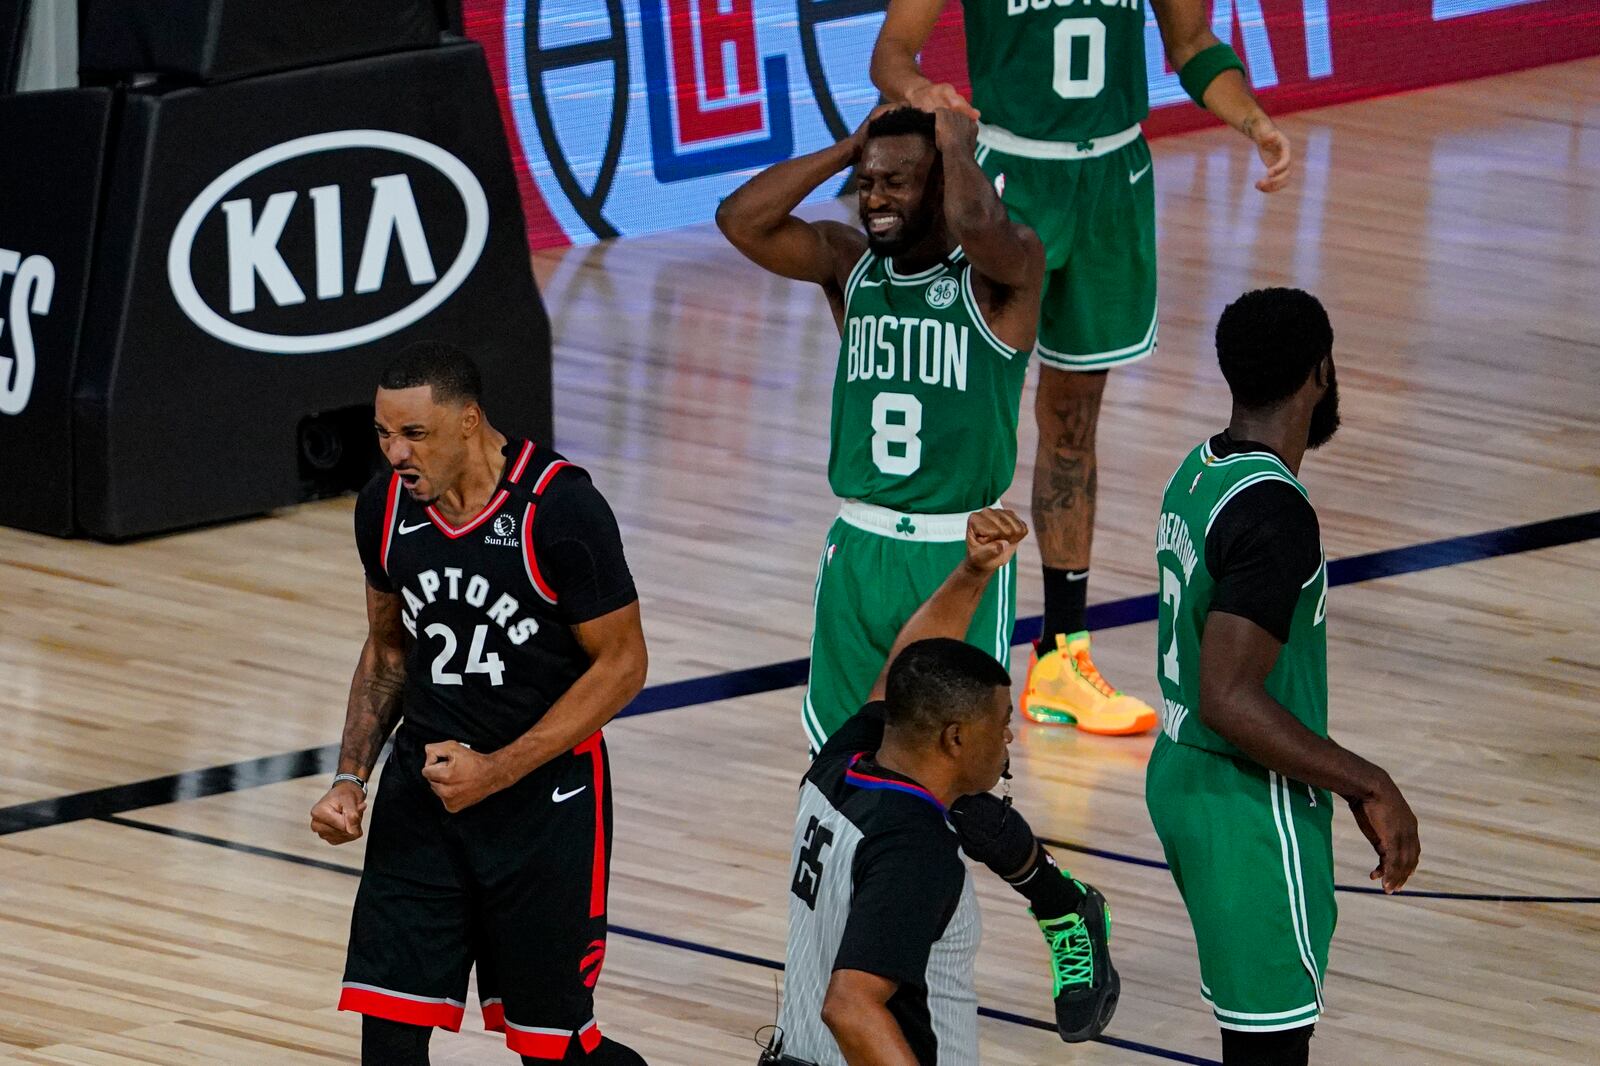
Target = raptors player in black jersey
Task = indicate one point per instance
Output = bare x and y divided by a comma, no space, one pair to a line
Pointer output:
503,634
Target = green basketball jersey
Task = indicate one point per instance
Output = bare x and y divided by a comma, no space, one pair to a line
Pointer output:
1058,70
925,397
1194,498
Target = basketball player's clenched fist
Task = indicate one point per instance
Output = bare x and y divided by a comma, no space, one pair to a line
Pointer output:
992,538
336,817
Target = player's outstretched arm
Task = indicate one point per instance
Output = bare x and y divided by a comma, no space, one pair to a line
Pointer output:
895,72
1186,31
1005,252
758,217
1236,655
992,539
618,662
370,716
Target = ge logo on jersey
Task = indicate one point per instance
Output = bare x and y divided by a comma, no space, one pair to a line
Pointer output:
505,532
942,293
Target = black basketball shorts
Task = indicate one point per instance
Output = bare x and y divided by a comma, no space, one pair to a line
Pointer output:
516,884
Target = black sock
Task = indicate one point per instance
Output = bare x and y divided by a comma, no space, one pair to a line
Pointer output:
386,1043
1047,888
1066,598
1287,1047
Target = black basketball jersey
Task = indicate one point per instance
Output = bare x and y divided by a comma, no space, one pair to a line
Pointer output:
490,604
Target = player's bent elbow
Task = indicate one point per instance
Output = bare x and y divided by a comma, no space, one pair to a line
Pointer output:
839,1008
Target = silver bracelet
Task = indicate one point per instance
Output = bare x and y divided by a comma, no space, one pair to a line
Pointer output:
362,785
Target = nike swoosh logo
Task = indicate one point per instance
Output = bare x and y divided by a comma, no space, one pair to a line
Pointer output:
404,529
559,796
865,284
1134,178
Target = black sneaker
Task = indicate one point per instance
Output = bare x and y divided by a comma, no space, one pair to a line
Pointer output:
1086,984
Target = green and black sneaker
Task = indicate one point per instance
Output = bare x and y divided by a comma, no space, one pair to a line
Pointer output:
1086,984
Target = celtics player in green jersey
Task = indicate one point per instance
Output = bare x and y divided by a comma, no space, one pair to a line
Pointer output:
1241,782
1060,87
936,304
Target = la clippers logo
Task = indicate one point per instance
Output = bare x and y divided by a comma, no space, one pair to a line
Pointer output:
295,245
728,86
709,109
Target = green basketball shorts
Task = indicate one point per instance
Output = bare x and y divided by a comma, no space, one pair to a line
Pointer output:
1094,208
1252,853
877,567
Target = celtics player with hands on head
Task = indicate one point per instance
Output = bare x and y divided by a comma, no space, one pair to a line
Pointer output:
1241,779
1060,89
936,304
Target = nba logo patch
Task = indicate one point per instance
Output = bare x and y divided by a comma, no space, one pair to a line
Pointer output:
942,293
828,561
1000,185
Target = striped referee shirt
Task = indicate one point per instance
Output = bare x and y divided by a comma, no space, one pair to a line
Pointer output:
879,885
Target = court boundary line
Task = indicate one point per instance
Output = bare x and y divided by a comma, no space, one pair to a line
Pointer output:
286,766
632,933
1365,890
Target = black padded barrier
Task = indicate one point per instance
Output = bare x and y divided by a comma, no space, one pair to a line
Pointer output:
268,245
220,40
54,156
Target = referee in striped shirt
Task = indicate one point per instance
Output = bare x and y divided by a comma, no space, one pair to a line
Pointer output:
883,922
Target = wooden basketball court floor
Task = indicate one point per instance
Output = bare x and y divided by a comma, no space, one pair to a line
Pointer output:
164,706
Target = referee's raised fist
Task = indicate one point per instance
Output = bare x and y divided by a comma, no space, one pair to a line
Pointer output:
992,538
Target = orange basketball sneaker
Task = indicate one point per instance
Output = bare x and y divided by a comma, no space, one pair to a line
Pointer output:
1065,688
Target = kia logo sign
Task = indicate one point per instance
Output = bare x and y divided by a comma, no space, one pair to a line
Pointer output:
255,225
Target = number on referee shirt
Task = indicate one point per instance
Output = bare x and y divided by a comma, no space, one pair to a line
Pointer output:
477,661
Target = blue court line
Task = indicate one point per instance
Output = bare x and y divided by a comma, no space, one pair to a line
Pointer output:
1390,562
638,934
1369,890
272,769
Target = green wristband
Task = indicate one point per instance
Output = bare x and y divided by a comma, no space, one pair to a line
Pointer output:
1203,68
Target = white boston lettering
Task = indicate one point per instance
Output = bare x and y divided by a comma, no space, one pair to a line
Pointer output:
894,347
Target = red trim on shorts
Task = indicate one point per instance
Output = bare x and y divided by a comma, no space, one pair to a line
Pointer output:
494,1016
530,560
597,884
391,508
550,1044
401,1009
522,462
589,1036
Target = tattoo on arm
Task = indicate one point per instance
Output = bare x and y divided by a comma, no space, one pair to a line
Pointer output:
380,678
373,712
